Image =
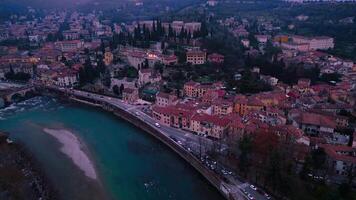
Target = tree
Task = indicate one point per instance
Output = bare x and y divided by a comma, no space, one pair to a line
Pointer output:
170,31
318,159
162,45
245,147
333,77
146,65
107,79
158,67
116,90
88,74
122,87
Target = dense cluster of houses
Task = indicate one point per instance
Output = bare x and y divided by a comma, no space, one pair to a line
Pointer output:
309,114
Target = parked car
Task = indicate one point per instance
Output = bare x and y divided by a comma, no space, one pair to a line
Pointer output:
250,197
253,187
267,196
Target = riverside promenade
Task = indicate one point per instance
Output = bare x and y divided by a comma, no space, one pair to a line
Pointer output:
173,138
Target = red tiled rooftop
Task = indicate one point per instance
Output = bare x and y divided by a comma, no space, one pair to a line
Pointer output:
214,119
319,120
340,152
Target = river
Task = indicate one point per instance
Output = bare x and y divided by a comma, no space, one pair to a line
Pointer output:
90,154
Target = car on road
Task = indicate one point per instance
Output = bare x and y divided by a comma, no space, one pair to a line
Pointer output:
253,187
173,138
250,197
244,191
267,196
137,113
179,142
157,125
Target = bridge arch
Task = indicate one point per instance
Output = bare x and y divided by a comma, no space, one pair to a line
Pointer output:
16,97
29,94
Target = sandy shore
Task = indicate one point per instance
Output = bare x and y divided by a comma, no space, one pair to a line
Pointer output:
72,147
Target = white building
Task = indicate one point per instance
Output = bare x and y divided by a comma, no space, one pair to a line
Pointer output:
67,78
315,43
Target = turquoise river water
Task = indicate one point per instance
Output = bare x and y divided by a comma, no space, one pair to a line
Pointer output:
128,162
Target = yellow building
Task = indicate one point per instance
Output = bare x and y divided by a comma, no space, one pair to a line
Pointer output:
108,58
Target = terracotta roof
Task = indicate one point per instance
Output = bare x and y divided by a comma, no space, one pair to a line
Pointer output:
214,119
174,110
340,152
236,121
317,119
128,90
288,130
163,95
191,83
196,53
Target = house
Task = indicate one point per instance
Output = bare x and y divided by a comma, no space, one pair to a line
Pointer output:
245,43
71,35
148,76
66,78
47,77
69,46
198,90
213,94
243,105
262,38
212,2
341,160
126,82
136,58
165,99
130,95
315,43
108,57
192,26
211,125
175,116
271,116
162,114
236,128
315,124
216,58
196,57
269,79
222,106
170,60
240,32
189,88
295,46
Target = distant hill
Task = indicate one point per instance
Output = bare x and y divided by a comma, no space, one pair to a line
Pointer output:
43,3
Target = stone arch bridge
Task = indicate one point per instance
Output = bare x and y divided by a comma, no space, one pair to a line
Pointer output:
14,94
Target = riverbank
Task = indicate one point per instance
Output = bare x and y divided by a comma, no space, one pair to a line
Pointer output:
21,176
